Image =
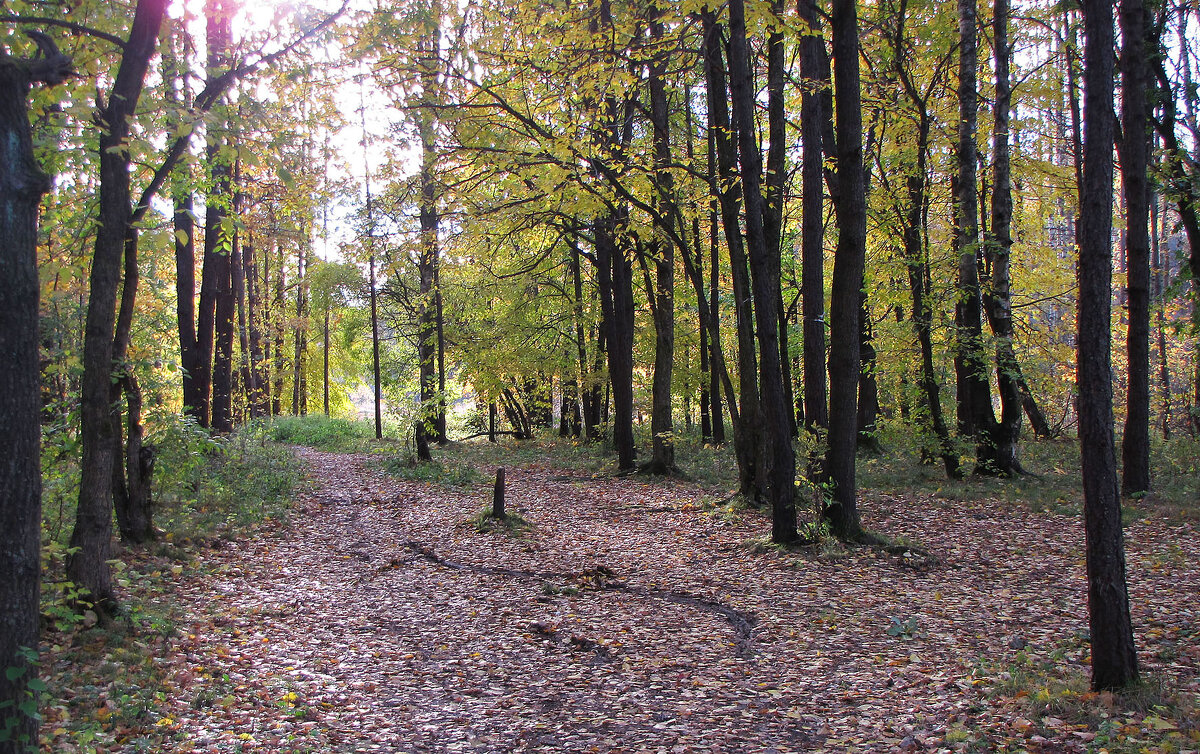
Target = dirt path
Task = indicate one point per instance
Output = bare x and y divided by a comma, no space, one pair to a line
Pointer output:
381,621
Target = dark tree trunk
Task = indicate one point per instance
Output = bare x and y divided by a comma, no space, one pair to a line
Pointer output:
22,185
812,307
998,296
1135,157
185,299
589,418
131,492
215,275
1114,661
257,396
726,186
175,71
868,387
849,261
278,326
299,335
916,259
775,186
1160,284
91,537
707,377
620,345
377,392
776,453
720,378
429,421
662,428
975,414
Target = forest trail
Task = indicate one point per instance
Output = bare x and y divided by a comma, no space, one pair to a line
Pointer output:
381,620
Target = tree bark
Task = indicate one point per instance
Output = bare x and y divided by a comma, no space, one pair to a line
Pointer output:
997,251
976,418
812,304
849,261
22,185
662,429
1135,157
1114,661
726,186
776,453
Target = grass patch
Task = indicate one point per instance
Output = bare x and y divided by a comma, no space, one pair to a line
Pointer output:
513,524
323,433
433,472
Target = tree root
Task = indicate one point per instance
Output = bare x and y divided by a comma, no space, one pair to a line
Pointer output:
600,579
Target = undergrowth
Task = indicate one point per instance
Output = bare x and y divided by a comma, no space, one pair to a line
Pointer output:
323,433
1049,690
104,686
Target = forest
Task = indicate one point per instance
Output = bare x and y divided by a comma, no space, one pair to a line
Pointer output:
599,375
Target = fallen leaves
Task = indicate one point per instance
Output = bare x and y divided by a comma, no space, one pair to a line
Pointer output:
628,618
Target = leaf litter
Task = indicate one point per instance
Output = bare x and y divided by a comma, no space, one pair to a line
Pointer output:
630,618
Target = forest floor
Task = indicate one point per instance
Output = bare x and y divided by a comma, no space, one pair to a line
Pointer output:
638,615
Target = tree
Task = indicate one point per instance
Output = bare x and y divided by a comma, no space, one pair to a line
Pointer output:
87,566
814,68
848,264
1135,157
726,186
662,460
22,185
778,475
1114,661
997,296
975,415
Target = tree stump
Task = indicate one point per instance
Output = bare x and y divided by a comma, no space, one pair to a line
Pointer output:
498,496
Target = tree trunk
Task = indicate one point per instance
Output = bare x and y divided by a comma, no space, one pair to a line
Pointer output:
175,71
22,185
775,186
299,333
776,453
726,186
868,387
87,565
997,251
278,326
662,429
131,492
849,261
1114,661
812,304
976,417
1135,156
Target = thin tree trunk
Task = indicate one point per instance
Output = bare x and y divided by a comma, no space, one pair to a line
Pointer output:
662,428
997,250
976,417
812,305
726,186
